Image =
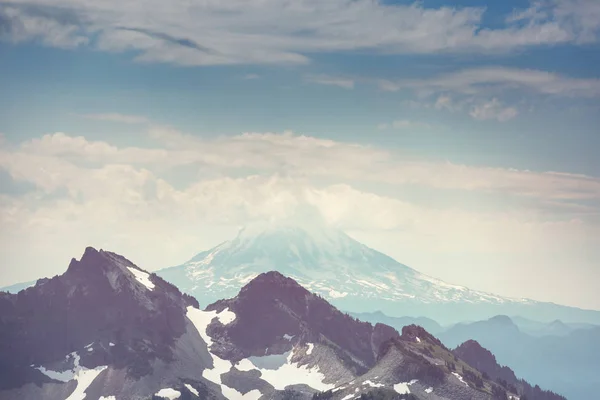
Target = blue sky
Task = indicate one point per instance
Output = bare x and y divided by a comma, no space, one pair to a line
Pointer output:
472,127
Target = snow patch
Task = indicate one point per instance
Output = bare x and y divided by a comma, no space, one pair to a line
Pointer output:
111,344
429,390
373,384
294,374
107,398
418,340
142,277
337,295
226,317
192,389
460,378
245,365
403,387
348,397
310,349
288,337
168,393
82,375
201,320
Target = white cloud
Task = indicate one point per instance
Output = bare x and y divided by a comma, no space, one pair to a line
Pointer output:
475,81
344,83
118,198
284,32
493,109
290,155
18,26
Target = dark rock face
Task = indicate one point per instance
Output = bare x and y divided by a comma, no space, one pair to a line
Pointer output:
483,360
271,306
97,300
410,333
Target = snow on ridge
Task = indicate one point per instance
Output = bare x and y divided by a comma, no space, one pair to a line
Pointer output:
192,389
107,398
460,378
168,393
142,277
310,349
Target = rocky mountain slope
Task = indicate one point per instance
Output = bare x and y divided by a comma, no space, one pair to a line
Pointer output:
398,323
275,329
103,328
108,330
347,273
567,364
484,361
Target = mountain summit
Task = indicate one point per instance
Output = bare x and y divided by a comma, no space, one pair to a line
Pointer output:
324,260
349,274
106,330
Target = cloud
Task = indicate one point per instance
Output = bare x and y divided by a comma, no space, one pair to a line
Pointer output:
135,201
445,102
17,26
279,32
493,109
116,117
475,81
288,155
344,83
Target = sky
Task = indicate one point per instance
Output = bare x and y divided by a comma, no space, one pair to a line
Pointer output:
460,138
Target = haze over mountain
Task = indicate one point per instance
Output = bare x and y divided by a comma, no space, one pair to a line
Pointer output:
566,363
349,274
106,329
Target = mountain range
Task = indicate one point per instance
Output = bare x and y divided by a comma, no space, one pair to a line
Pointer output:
567,363
108,330
350,275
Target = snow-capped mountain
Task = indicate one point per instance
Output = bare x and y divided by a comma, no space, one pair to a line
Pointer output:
351,275
108,330
324,260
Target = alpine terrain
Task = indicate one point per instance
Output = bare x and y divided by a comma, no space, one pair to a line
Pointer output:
349,274
108,330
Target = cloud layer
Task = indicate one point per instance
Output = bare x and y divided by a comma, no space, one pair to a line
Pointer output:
161,204
287,32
